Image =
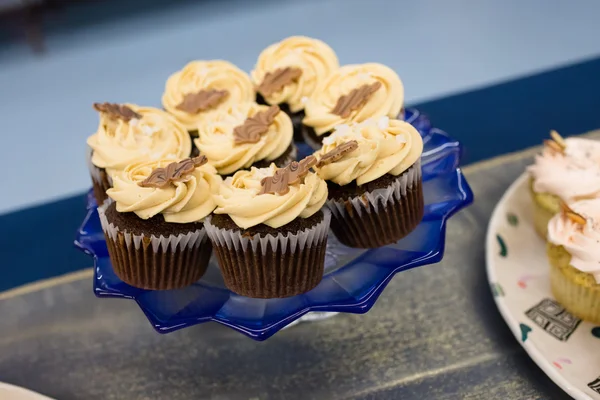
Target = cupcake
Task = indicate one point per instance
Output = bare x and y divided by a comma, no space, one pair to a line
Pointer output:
204,86
268,231
288,72
130,134
154,227
353,93
567,170
244,135
574,253
373,174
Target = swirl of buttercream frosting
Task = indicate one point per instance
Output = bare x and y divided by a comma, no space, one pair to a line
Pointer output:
186,200
571,174
387,100
240,199
209,75
315,59
217,140
156,135
581,241
384,146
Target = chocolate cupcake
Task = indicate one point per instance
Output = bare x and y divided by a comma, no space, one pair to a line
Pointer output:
244,135
353,93
201,87
373,174
269,233
154,227
289,71
130,134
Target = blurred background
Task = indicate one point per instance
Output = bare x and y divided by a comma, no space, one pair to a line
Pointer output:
497,75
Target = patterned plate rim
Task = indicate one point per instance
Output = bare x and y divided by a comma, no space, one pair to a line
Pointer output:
534,353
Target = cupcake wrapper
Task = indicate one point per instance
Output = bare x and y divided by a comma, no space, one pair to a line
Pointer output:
157,263
292,156
271,266
101,181
310,141
380,217
581,301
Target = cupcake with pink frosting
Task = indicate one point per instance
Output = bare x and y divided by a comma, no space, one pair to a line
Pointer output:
574,253
567,170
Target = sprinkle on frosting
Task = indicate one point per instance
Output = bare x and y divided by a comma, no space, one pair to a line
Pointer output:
568,212
193,103
556,143
278,79
117,111
174,172
354,100
256,126
337,153
284,177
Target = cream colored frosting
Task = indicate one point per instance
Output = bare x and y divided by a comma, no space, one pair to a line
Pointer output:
315,58
572,175
582,242
239,199
385,146
216,139
386,101
189,200
118,143
206,75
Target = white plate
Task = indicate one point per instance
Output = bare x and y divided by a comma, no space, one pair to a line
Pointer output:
12,392
564,347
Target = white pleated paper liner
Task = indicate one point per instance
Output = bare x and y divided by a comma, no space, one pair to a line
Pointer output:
101,181
382,216
156,262
267,266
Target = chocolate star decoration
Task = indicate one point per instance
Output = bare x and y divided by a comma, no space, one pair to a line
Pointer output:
117,111
194,103
354,100
284,177
276,80
174,172
337,153
256,126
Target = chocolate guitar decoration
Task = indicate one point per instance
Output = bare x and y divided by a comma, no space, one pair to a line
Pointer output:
117,111
174,172
284,177
354,100
337,153
278,79
256,126
194,103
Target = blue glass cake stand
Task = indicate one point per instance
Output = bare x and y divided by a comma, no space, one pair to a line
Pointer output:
353,280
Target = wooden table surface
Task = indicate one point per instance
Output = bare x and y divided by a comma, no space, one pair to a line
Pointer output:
435,333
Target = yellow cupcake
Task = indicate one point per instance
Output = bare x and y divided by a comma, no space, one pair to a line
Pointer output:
574,253
567,170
